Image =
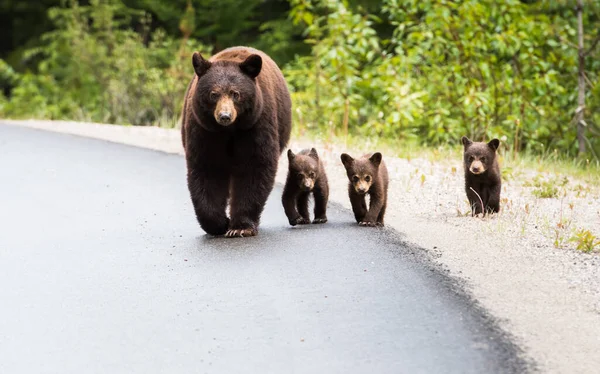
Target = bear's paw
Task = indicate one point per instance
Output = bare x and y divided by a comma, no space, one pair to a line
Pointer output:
240,233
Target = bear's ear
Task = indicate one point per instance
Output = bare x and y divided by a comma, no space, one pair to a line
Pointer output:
291,155
201,66
494,144
375,159
313,154
251,66
347,160
466,141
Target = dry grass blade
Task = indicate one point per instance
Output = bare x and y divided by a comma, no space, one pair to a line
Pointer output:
481,201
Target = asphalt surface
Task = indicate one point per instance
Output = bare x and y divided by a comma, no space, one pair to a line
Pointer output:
104,269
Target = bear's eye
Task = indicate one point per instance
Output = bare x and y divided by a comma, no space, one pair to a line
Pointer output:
471,158
368,178
355,178
312,174
214,96
483,160
300,175
235,95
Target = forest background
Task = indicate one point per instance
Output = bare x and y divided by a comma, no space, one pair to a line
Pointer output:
410,72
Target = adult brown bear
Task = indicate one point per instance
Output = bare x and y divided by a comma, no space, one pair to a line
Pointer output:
236,123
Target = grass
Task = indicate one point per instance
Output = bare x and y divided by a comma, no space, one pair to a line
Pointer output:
547,188
585,241
587,171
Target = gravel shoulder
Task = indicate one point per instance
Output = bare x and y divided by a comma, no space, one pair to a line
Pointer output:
548,298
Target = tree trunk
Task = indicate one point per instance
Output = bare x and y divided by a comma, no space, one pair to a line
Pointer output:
579,119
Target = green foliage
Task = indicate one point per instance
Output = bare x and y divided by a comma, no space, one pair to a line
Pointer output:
345,77
586,241
8,78
409,72
547,188
225,23
94,68
7,74
482,68
187,25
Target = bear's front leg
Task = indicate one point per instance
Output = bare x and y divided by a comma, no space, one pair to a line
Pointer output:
209,192
359,205
375,206
493,205
303,207
321,195
289,200
381,215
252,182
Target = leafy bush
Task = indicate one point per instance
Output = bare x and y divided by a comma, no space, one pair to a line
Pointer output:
424,72
94,67
483,68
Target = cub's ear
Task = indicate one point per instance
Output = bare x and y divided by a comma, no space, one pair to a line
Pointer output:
251,66
347,160
466,141
313,154
375,159
494,144
201,66
291,155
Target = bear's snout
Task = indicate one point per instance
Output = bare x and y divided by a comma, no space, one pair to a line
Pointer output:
224,117
361,188
225,113
477,167
308,185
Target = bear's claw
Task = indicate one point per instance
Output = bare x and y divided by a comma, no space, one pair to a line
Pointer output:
367,224
299,221
240,233
320,220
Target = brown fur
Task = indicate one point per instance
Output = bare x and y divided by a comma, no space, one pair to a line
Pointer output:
236,122
367,175
306,175
482,173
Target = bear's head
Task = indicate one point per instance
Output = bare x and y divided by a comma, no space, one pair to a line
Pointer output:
226,92
479,157
304,168
362,172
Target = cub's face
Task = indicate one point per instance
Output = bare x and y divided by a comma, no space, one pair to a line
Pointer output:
362,183
361,172
479,156
226,90
304,168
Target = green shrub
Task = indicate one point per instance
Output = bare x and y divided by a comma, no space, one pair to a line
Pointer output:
94,68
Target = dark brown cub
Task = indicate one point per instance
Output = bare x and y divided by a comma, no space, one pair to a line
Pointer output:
482,176
367,175
306,175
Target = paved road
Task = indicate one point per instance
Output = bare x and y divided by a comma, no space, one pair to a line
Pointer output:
103,269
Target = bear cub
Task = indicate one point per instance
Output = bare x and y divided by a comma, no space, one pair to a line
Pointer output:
482,174
306,175
367,175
